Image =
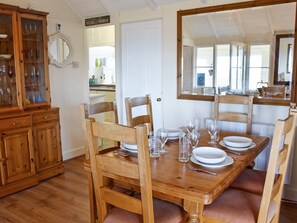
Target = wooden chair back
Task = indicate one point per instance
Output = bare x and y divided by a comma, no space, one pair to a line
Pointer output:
278,91
111,167
90,110
147,119
282,141
234,116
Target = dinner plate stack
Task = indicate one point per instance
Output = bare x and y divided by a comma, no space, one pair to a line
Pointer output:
129,147
237,143
211,157
173,134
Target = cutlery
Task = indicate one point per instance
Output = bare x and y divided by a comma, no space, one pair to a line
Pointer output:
121,153
201,170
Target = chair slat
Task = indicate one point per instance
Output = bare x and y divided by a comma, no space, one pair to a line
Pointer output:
276,186
113,132
120,167
121,200
282,156
231,116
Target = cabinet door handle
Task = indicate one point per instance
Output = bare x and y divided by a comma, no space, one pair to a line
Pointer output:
3,160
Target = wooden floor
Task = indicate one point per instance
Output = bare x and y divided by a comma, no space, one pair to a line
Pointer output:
64,199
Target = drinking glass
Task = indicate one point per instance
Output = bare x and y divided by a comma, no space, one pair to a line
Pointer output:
194,137
163,134
212,127
155,146
183,149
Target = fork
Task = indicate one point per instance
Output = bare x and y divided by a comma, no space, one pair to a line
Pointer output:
201,170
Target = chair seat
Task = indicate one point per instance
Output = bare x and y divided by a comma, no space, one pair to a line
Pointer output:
251,181
164,212
237,206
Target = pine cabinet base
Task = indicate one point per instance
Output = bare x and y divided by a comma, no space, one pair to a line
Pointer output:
54,171
30,149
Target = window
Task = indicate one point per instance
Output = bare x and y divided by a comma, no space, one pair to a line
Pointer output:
258,67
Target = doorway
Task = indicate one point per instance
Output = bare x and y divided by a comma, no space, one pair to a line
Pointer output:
101,64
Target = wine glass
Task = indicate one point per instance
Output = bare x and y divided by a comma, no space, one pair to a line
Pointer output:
212,127
196,124
163,134
190,125
194,137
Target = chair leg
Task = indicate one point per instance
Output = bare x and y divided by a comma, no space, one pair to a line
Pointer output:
93,207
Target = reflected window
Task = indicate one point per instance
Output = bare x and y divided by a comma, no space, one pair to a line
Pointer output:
258,67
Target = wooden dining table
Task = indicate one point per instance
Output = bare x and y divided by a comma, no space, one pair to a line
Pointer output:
176,182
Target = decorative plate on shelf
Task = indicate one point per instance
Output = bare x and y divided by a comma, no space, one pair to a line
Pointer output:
5,56
3,36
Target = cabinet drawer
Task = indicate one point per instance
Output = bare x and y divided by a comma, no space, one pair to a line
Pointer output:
14,123
45,117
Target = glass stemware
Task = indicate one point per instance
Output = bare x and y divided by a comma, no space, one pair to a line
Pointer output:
212,127
190,125
163,134
194,137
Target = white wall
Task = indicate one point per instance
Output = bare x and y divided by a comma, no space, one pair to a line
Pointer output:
68,85
186,109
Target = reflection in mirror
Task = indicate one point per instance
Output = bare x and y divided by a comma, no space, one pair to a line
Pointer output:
230,49
60,50
283,59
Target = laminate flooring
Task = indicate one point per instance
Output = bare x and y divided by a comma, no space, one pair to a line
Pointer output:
64,199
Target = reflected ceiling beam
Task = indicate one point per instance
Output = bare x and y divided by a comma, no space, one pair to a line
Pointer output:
269,20
213,27
108,6
152,4
239,22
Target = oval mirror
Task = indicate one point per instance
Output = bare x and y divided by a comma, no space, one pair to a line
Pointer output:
60,50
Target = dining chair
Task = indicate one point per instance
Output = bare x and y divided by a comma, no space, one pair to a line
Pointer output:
95,110
277,91
135,103
256,185
245,207
125,208
234,116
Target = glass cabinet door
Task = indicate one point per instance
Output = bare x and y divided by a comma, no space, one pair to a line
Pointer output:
9,77
35,61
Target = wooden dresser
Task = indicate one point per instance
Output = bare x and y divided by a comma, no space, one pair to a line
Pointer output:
30,141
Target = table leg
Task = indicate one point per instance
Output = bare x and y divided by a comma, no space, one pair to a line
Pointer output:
194,210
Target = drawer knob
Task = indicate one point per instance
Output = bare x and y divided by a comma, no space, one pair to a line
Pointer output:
44,117
13,124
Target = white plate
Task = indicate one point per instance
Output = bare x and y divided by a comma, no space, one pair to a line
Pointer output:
173,133
129,150
209,155
6,56
237,141
130,146
3,36
239,149
228,161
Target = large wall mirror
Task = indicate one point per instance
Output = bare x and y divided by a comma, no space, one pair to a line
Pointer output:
243,48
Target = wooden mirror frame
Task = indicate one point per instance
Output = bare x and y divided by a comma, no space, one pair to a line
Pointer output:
276,60
217,8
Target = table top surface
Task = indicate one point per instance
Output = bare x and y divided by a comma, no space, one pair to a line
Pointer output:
171,177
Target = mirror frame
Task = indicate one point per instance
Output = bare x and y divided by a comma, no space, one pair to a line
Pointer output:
276,60
66,39
233,6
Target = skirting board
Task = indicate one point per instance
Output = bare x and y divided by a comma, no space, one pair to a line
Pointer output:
74,153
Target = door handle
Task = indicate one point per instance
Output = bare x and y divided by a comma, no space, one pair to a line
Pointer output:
159,99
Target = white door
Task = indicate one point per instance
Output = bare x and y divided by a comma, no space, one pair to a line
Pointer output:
142,65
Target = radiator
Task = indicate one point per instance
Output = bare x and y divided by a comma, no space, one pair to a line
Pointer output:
260,129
